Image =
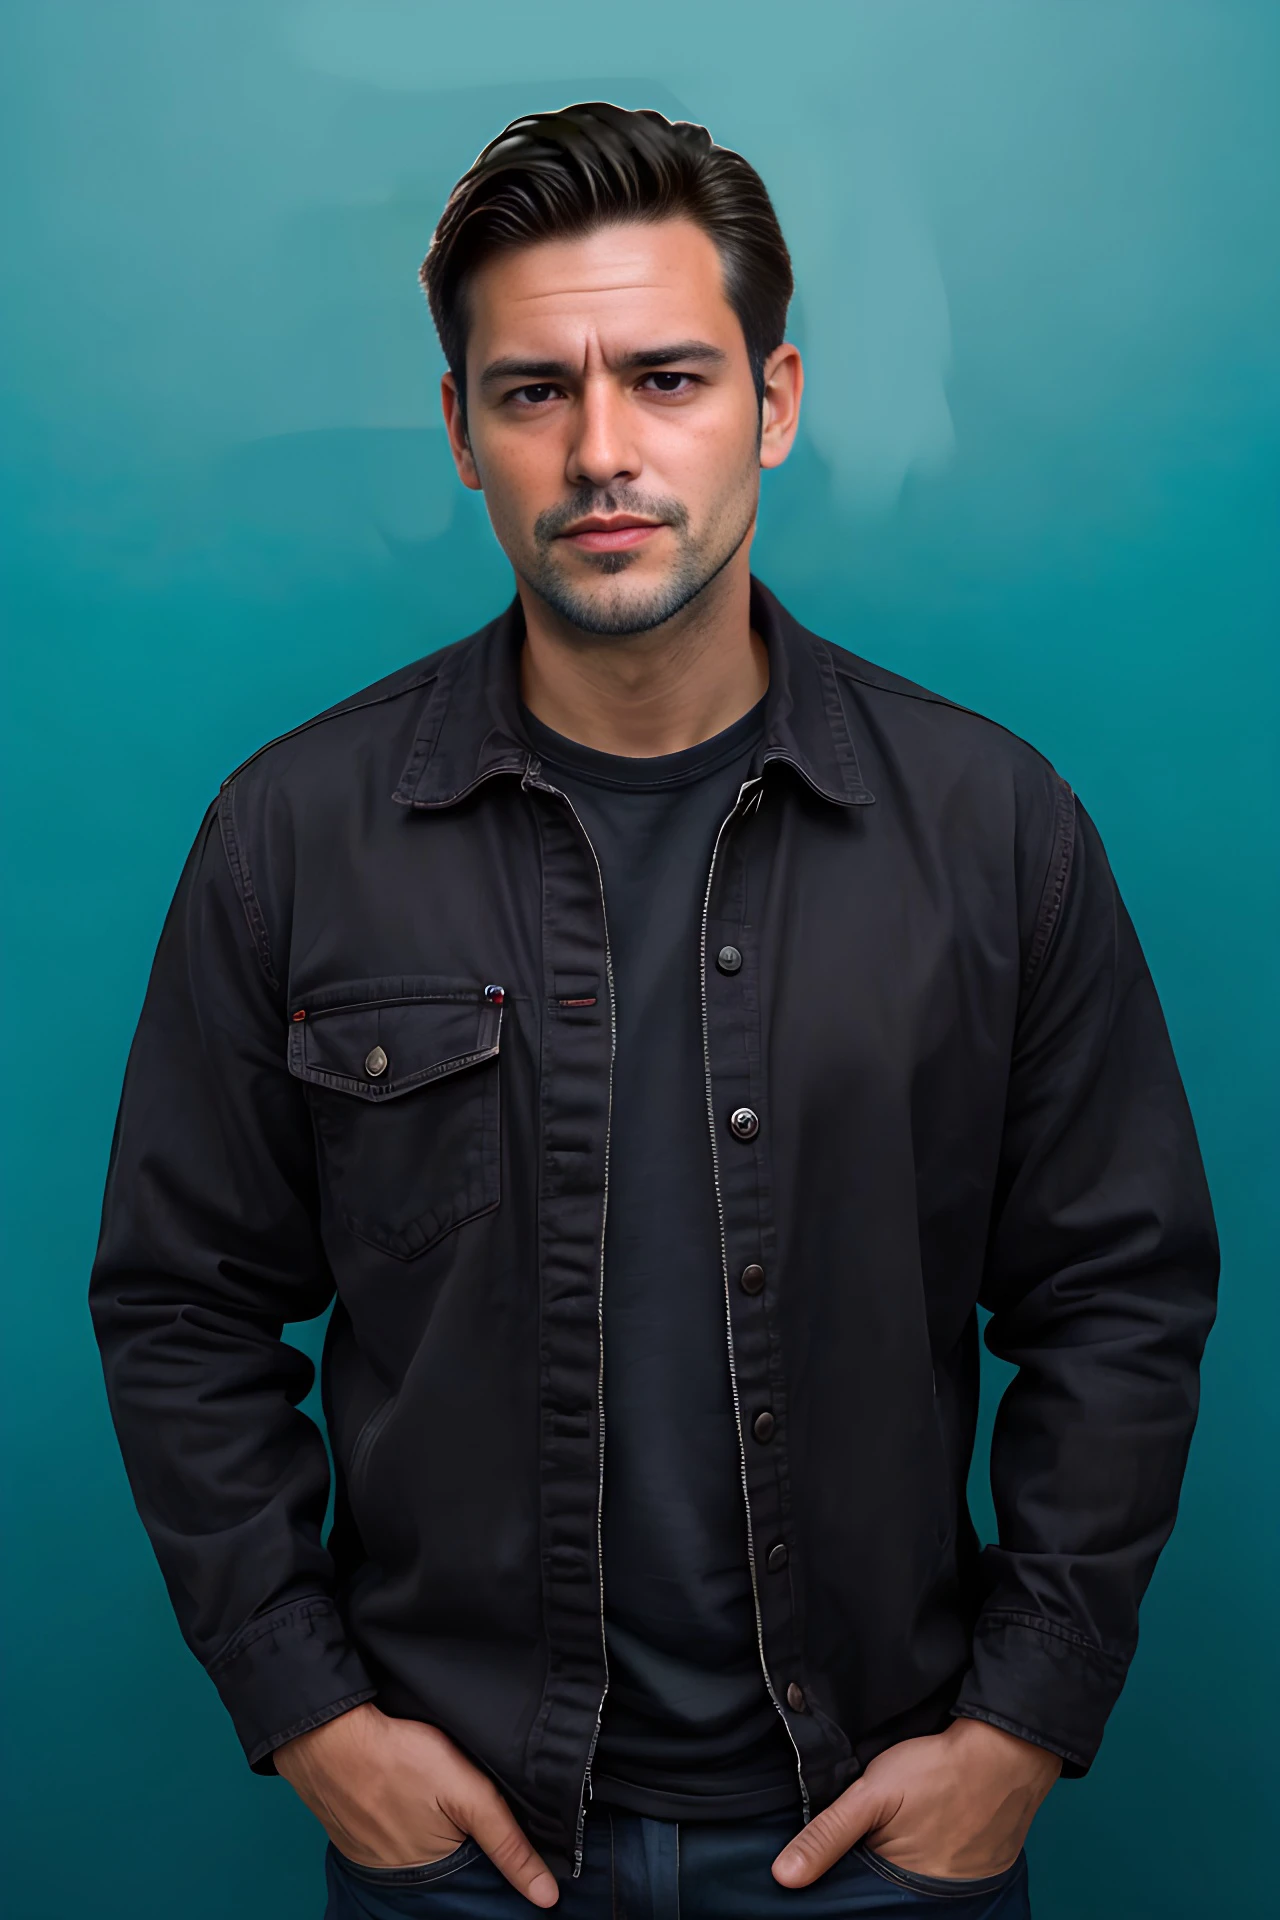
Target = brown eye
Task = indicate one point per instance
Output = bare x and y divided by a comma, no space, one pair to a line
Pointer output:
668,382
535,395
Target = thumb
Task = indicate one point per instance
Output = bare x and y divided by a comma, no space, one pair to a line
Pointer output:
831,1833
480,1810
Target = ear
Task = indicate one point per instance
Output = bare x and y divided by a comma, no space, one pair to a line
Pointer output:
780,411
456,427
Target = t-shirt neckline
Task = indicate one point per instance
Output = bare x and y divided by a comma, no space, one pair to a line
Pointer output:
650,772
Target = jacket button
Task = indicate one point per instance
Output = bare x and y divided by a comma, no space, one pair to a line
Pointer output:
728,960
795,1699
375,1062
777,1558
744,1123
751,1279
763,1426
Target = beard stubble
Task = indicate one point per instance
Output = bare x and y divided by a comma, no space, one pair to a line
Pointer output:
695,566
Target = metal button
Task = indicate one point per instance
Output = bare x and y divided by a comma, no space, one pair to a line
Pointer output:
795,1698
777,1558
744,1123
375,1062
763,1426
751,1279
728,960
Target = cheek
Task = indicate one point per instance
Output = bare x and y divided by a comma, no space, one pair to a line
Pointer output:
716,441
711,467
520,476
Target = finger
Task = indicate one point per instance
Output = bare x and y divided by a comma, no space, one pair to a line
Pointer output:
829,1836
485,1815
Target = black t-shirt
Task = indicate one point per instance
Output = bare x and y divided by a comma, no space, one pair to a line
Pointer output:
688,1728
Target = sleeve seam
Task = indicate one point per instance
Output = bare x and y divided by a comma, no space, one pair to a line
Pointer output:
1056,880
244,885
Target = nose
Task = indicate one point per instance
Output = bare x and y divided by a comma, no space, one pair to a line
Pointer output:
602,452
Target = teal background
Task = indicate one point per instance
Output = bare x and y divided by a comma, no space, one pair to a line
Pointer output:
1039,292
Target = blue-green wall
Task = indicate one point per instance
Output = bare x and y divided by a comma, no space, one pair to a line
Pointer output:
1037,252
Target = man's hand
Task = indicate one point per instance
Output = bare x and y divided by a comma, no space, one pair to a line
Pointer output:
398,1793
956,1805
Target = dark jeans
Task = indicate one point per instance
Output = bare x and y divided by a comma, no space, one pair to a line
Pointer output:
639,1869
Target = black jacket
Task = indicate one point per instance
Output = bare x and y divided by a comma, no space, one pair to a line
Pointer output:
374,1061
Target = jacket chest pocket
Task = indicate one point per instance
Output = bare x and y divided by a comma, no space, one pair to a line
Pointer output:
402,1080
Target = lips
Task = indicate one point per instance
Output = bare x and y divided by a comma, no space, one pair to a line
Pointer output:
610,536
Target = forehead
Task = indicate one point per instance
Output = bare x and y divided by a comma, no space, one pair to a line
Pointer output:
634,283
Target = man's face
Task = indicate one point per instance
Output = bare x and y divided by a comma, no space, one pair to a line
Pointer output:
612,420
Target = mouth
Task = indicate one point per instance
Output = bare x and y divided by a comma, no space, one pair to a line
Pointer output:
615,534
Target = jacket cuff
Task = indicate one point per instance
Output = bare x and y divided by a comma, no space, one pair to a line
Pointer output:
1042,1682
287,1671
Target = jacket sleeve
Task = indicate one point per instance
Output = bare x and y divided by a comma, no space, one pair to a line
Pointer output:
209,1244
1101,1282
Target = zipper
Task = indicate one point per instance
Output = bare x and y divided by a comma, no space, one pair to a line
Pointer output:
545,787
755,787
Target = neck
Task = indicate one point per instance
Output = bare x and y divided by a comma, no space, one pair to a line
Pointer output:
647,693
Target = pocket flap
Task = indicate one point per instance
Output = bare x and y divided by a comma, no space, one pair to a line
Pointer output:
383,1046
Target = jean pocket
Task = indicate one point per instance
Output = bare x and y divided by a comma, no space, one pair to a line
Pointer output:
421,1876
932,1884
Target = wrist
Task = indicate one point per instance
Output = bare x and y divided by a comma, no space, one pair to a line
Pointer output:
301,1754
979,1740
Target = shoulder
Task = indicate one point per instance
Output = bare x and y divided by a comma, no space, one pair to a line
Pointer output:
927,721
283,810
378,715
920,735
935,755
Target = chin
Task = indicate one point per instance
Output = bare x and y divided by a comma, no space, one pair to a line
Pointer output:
619,618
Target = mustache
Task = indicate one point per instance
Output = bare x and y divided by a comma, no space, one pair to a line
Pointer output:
550,525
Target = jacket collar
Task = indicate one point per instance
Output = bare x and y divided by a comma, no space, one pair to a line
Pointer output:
470,728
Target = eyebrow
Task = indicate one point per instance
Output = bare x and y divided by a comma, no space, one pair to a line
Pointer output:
516,369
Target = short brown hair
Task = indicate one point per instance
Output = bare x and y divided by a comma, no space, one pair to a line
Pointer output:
551,176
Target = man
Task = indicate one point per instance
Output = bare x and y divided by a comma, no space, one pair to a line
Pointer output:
657,1031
